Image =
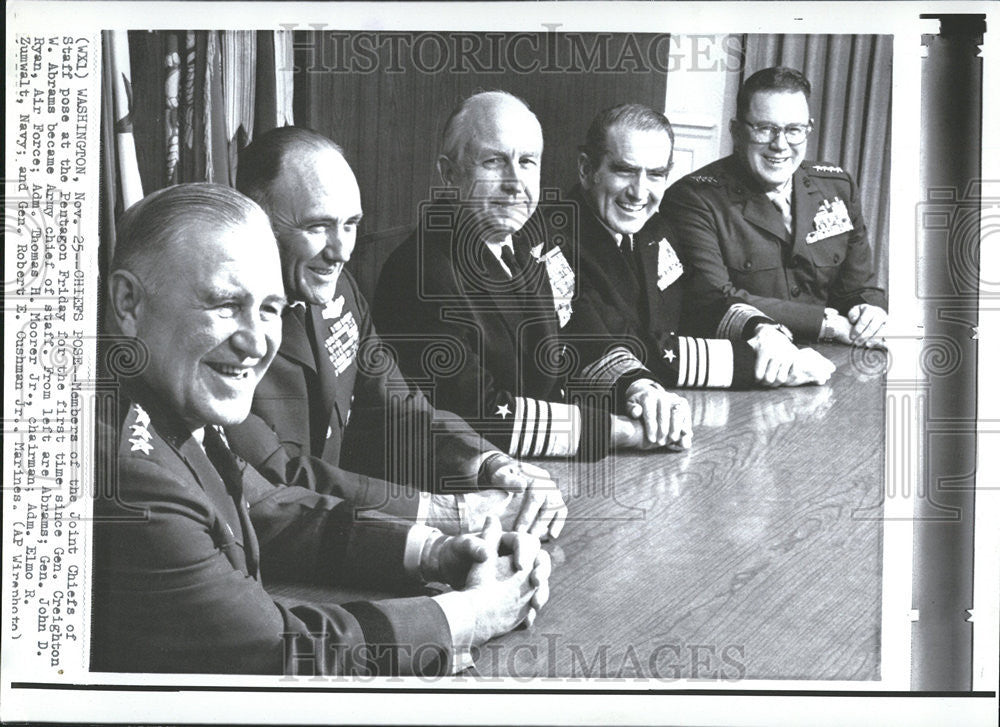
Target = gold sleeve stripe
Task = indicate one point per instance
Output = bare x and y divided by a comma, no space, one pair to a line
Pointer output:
612,366
544,428
735,320
704,362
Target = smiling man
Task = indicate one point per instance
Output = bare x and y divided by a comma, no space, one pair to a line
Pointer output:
480,279
779,232
185,533
632,282
347,422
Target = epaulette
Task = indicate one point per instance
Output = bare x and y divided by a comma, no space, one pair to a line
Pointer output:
827,169
705,179
137,436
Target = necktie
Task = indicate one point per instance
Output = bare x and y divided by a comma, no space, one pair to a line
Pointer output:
224,461
628,252
511,261
784,205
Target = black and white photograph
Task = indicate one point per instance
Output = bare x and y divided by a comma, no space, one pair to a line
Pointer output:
500,363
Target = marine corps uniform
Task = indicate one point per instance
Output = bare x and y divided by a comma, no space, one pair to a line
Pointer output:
179,561
733,234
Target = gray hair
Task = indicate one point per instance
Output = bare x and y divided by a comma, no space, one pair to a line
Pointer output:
152,226
456,128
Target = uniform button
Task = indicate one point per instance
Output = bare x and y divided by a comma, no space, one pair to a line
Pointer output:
747,265
807,182
796,291
836,258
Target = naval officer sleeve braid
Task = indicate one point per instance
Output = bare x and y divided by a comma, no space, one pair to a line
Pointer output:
544,428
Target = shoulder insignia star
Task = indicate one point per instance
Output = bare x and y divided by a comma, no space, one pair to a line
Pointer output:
140,444
503,411
141,417
669,355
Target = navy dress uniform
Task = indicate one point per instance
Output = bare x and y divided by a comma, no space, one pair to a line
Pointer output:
185,534
735,236
511,372
334,394
691,336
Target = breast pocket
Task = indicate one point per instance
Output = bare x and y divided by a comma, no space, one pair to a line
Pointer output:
757,269
828,255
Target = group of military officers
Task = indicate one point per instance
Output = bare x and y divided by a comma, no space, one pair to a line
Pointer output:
273,436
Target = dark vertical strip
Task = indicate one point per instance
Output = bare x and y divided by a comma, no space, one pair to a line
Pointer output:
951,126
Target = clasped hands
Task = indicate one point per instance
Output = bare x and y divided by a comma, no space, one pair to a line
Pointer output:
501,578
656,418
522,496
781,363
862,326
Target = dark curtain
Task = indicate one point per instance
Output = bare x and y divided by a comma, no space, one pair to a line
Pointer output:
851,77
389,115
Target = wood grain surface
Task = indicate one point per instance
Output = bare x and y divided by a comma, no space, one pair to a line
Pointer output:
755,555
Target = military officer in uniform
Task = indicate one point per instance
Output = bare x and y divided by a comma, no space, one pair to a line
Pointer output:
480,274
185,532
347,421
784,234
631,278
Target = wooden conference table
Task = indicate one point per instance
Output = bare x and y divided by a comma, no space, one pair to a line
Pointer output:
755,555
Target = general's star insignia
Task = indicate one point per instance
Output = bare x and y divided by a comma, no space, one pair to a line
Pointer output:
503,411
141,417
141,444
669,355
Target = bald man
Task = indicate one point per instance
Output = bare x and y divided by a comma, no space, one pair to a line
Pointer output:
347,422
480,277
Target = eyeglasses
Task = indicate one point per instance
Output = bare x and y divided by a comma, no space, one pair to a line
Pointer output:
766,133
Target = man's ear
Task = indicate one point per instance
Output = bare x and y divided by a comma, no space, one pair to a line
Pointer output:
734,128
127,297
446,170
585,168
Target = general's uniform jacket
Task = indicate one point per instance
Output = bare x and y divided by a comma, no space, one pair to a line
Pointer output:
733,235
333,392
179,561
502,362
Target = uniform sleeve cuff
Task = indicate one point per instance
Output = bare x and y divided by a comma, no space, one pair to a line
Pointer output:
462,624
611,366
736,319
544,428
704,362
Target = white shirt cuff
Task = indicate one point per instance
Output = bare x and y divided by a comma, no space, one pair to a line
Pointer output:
462,624
415,540
423,508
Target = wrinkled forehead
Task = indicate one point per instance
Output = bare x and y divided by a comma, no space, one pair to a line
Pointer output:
651,147
506,126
